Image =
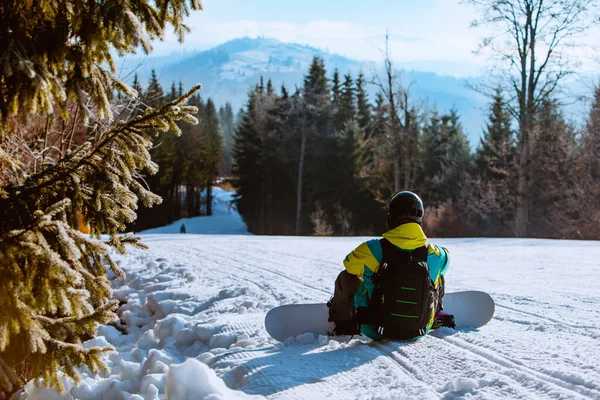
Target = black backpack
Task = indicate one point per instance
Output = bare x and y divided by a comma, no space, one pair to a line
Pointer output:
403,299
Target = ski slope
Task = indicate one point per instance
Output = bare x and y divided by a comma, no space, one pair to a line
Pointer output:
204,297
191,323
225,218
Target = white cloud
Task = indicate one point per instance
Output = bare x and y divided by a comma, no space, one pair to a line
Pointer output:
349,39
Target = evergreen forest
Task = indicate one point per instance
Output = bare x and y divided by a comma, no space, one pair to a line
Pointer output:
188,163
324,159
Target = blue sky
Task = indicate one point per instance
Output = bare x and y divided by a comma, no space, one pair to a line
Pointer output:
420,30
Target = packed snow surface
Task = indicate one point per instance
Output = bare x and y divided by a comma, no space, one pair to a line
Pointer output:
191,325
194,306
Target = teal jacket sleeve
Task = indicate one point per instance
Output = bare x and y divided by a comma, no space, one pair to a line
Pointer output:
438,260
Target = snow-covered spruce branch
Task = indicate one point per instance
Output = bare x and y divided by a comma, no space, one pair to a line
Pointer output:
108,167
55,289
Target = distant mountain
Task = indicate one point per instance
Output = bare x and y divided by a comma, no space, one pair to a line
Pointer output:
229,70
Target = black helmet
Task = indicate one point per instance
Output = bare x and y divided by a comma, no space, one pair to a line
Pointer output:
404,207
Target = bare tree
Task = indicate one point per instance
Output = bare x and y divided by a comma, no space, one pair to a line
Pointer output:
533,44
400,139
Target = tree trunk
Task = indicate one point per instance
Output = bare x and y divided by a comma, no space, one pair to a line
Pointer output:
527,114
522,210
177,203
397,168
209,197
408,147
300,182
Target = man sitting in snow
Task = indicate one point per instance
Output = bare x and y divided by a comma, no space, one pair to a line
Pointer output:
392,287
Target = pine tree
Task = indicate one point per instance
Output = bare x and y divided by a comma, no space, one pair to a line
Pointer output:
270,90
315,131
139,90
362,105
154,96
247,167
444,158
173,93
165,154
554,205
284,93
335,87
588,222
316,88
54,286
591,138
190,165
497,150
280,162
261,85
227,122
347,103
214,146
374,172
489,202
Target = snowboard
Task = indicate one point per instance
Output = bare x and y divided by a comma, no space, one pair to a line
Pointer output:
471,309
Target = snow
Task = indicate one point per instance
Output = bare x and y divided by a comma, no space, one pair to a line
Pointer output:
225,219
194,380
194,309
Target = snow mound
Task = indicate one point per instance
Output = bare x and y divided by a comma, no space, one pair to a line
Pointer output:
462,385
194,380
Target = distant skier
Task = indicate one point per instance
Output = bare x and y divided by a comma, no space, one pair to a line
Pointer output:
182,229
392,287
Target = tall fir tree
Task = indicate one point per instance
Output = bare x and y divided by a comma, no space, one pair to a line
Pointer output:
444,156
315,131
444,160
227,121
497,150
248,168
137,86
346,109
154,96
363,107
374,173
489,199
191,166
336,88
588,221
214,145
591,137
554,204
270,89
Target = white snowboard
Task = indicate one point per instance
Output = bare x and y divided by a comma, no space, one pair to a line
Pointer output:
471,309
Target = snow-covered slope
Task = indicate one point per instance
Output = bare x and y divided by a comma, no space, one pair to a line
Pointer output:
204,297
225,218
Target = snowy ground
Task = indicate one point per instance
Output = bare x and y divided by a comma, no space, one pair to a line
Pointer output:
202,299
225,219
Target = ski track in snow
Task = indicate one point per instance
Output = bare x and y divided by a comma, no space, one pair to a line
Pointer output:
206,296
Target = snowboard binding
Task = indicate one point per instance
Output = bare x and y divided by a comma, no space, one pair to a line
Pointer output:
443,319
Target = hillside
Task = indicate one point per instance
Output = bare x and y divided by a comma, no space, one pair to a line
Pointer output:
229,70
